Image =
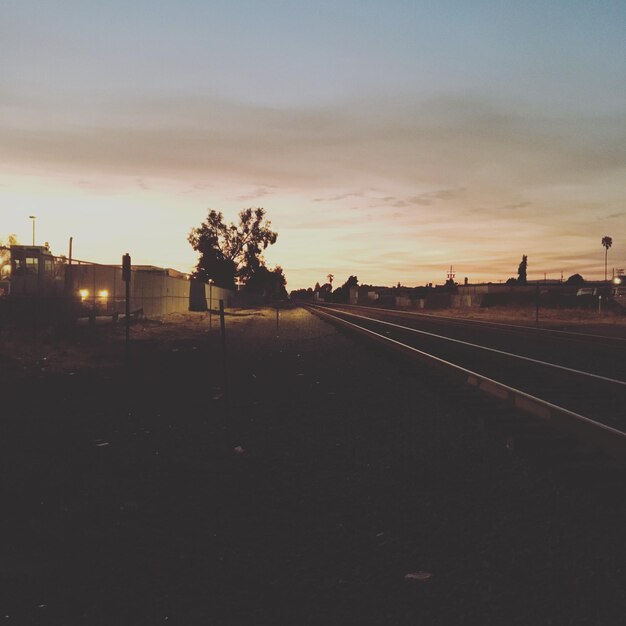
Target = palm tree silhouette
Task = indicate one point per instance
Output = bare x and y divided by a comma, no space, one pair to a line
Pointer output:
330,279
607,242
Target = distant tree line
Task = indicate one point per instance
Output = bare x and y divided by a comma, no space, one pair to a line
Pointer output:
342,294
325,292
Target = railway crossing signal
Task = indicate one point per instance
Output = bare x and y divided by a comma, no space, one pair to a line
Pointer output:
126,268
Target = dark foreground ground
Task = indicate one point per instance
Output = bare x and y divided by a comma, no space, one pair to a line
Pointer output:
360,492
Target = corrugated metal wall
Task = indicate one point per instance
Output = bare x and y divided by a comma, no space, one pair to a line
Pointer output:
153,291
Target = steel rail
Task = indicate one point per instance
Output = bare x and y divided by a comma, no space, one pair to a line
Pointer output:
470,322
486,348
611,440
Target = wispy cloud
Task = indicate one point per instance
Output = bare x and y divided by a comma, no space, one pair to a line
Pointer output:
516,206
197,188
459,140
256,194
341,196
433,182
429,197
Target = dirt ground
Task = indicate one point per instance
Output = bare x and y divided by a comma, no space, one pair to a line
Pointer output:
320,482
30,349
34,351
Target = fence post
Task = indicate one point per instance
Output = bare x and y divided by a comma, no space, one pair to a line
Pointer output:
69,286
113,299
126,278
537,303
92,314
225,366
210,304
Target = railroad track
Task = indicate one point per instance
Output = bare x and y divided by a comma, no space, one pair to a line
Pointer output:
574,381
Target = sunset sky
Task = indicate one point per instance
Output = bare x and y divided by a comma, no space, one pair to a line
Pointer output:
387,139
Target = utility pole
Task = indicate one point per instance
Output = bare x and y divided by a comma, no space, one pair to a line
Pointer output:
70,278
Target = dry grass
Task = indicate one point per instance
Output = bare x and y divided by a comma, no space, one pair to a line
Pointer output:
527,314
25,350
85,347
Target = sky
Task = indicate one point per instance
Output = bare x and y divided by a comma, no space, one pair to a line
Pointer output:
385,139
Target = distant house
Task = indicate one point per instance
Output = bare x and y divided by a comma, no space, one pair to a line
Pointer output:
323,293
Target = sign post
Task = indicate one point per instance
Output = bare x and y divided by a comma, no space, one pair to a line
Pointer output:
224,364
537,303
210,304
126,278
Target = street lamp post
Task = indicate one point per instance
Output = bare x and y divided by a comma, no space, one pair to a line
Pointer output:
33,217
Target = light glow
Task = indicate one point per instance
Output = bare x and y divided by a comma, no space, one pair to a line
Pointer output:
84,294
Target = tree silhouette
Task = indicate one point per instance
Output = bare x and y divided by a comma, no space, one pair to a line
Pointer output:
5,254
450,285
302,294
342,294
575,279
267,283
352,281
607,242
330,279
521,271
231,250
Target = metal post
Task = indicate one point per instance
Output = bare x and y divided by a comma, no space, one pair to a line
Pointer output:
127,318
126,272
92,317
210,304
599,304
69,280
33,217
537,304
114,295
224,363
